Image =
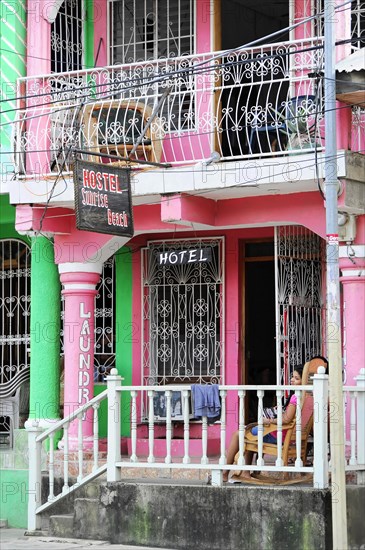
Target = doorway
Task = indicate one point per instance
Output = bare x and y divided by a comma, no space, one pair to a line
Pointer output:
249,86
259,360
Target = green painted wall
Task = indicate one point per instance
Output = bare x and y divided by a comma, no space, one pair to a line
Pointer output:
89,35
14,497
123,337
7,221
45,331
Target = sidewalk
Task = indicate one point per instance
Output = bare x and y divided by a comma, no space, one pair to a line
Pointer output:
14,539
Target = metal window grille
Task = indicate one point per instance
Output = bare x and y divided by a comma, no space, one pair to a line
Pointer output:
14,334
150,29
183,315
15,307
357,15
357,24
104,346
299,257
67,37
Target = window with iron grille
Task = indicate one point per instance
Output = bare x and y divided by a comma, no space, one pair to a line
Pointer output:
67,37
150,29
145,30
183,315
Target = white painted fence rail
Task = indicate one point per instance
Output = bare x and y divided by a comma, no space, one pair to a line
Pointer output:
133,400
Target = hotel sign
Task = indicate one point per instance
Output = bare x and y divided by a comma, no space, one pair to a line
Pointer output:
188,256
103,199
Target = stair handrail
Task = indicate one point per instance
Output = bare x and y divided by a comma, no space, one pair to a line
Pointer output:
72,416
36,436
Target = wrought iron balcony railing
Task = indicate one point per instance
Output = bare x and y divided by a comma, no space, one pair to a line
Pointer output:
249,103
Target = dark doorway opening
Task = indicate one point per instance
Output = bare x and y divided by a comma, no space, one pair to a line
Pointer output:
259,320
250,86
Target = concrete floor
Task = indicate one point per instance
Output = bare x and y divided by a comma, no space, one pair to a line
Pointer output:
14,539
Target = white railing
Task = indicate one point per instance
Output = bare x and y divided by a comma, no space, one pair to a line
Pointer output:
354,405
132,398
253,102
38,439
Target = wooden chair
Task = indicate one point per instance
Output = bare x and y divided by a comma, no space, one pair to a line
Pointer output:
115,128
289,444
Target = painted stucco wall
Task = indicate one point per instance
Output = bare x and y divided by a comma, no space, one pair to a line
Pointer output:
12,66
14,497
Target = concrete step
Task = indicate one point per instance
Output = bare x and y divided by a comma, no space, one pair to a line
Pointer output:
61,525
4,524
86,518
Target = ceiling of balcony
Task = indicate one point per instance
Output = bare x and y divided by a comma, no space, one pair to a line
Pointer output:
247,20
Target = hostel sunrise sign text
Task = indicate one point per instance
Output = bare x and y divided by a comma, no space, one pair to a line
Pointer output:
103,199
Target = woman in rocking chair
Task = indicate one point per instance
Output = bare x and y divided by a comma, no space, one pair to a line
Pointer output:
288,415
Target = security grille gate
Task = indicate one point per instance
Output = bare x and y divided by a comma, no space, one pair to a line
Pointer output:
15,333
299,258
183,315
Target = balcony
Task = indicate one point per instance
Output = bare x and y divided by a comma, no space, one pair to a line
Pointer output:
248,104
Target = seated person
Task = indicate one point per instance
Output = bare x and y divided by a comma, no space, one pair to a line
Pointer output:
288,416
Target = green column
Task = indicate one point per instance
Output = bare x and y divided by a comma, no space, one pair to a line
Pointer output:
124,332
89,35
45,331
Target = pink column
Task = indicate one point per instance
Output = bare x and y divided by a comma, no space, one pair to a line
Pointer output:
38,63
353,287
79,291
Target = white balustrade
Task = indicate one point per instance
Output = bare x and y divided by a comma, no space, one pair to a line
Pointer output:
216,465
298,431
168,427
80,447
222,458
151,427
245,109
66,487
320,429
260,427
134,426
95,436
241,427
185,396
279,433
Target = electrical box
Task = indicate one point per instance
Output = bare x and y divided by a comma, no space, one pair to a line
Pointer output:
347,232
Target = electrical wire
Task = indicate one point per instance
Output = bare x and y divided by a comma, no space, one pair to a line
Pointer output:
203,62
309,164
172,137
137,83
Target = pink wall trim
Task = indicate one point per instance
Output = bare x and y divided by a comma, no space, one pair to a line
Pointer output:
38,36
301,11
203,19
100,31
303,208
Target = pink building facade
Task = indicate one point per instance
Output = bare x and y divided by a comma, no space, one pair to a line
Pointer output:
235,186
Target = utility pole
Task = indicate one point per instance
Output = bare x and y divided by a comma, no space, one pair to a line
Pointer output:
334,347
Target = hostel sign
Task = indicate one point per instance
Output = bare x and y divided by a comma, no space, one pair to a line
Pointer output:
103,199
